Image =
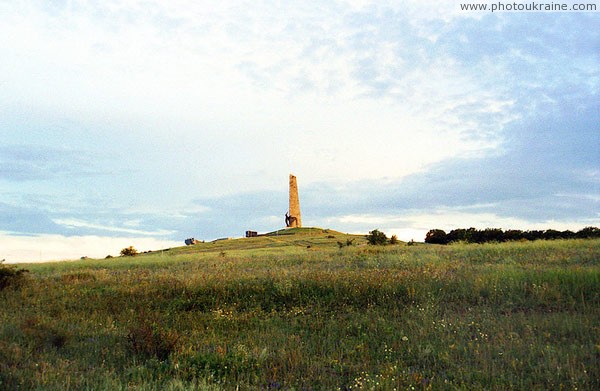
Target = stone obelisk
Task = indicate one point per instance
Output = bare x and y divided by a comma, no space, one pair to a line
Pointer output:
293,218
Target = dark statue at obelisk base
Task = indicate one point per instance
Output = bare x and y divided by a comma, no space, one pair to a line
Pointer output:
292,217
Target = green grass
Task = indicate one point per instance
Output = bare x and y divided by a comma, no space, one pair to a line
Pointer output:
282,240
298,312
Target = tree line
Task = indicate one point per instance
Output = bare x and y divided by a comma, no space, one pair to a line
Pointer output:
473,235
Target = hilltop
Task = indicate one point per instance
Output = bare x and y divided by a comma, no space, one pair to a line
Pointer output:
310,238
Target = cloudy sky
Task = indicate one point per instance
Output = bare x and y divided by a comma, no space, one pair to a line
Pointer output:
146,122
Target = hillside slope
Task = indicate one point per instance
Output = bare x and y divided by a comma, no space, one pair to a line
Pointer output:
284,239
495,316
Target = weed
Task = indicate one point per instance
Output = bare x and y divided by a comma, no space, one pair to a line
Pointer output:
42,334
11,276
147,338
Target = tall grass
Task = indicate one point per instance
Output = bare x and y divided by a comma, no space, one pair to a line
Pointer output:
493,316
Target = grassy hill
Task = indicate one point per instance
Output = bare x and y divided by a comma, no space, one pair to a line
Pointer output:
276,241
273,313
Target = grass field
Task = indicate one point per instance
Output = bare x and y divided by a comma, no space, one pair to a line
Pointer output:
299,312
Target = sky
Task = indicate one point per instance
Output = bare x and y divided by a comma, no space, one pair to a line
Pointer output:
146,122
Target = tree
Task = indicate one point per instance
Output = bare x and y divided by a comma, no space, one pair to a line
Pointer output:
129,251
376,237
567,234
513,235
534,234
436,236
588,232
394,239
491,235
551,234
457,235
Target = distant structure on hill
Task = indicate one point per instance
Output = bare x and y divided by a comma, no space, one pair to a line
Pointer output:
190,241
293,218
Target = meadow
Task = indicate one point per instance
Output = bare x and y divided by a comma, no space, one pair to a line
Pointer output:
306,312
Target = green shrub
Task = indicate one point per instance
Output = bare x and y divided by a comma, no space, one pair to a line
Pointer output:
129,251
376,237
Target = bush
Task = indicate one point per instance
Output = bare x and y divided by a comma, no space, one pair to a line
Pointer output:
376,237
129,252
349,242
11,275
394,239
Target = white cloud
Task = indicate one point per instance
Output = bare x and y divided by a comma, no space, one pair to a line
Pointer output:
73,223
43,248
277,87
